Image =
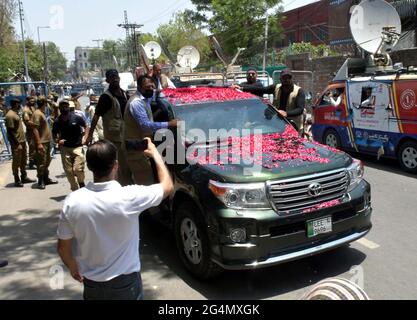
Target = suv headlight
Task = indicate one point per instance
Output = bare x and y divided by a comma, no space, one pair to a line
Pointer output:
355,171
241,196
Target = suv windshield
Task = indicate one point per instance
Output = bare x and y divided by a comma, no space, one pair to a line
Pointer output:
239,114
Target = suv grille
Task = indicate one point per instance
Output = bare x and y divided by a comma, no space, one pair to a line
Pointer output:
294,195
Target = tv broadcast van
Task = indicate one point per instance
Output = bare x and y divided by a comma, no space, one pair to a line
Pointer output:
375,106
377,115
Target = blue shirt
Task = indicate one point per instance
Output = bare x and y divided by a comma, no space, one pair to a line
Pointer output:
137,109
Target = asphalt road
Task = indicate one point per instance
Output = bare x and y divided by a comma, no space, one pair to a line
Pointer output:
384,263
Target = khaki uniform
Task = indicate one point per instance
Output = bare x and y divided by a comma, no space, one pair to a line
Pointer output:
113,128
27,117
43,159
73,161
14,126
139,164
291,105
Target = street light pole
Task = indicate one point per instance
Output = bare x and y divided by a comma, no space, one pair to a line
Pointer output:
25,57
266,42
39,37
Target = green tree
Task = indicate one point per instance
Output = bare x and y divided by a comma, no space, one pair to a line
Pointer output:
241,25
7,14
318,51
56,62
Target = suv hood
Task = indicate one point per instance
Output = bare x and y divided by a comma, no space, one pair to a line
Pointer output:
282,156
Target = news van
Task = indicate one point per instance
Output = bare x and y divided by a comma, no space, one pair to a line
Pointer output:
376,115
374,105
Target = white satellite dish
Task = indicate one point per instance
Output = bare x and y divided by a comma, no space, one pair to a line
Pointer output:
375,26
188,57
153,50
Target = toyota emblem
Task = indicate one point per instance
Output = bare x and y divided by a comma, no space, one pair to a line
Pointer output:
315,189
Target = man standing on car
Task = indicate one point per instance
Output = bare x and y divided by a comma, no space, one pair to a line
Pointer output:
161,80
17,141
68,131
139,124
288,97
102,219
252,80
111,108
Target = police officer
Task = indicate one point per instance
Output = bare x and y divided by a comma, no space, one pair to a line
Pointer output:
28,111
288,97
43,137
16,136
111,108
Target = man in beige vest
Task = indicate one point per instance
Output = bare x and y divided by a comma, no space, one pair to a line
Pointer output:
288,97
139,125
111,108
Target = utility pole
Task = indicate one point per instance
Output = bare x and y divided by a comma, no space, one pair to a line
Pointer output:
132,35
101,55
266,42
23,40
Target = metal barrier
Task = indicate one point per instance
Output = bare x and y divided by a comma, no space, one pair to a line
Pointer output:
5,152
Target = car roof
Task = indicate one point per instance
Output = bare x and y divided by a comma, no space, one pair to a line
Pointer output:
183,96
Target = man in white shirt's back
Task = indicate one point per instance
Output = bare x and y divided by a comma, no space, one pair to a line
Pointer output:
101,222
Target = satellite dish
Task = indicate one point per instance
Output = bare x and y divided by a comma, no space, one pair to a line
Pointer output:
188,57
153,50
375,26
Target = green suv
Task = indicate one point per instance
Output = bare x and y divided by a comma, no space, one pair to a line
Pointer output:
293,199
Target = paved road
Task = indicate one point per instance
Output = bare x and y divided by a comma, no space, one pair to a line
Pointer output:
387,258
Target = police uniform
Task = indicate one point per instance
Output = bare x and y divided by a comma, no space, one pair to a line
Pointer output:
16,136
27,118
43,159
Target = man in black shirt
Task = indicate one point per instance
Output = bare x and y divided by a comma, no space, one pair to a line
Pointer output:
68,131
288,98
252,80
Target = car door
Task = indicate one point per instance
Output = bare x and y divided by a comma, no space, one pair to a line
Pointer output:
371,105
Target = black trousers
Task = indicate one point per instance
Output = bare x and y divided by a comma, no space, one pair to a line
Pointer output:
124,287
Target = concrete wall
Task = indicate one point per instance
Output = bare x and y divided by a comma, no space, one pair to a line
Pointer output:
407,56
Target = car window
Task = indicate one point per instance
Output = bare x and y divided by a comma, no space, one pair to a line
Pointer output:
242,114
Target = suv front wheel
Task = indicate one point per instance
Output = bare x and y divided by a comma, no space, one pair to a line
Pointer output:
192,242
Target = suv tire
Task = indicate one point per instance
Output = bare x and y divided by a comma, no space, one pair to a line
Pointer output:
193,243
332,139
407,156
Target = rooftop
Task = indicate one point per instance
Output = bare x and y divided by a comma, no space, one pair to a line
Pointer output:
204,94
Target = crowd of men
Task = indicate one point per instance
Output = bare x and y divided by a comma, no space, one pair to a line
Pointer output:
43,125
102,215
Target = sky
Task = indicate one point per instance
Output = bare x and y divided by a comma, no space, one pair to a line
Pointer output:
78,22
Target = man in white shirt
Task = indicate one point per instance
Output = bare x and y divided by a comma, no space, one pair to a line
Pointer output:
100,224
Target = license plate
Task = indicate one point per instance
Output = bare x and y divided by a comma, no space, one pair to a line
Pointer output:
319,226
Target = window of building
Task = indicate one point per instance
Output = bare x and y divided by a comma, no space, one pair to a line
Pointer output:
85,54
86,65
322,33
307,36
80,55
290,38
81,65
